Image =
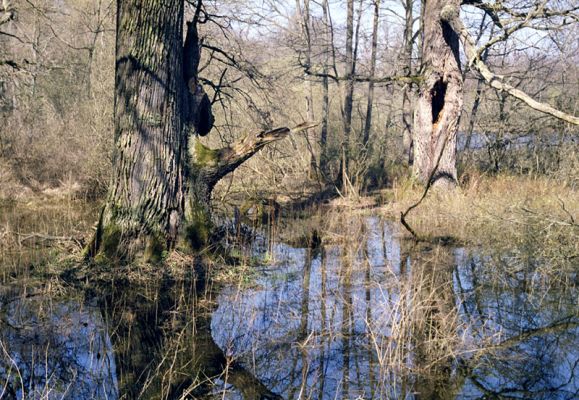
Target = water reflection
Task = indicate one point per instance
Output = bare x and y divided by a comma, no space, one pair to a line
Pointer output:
54,350
136,342
373,318
364,316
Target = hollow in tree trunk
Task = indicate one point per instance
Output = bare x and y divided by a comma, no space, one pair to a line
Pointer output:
162,181
439,100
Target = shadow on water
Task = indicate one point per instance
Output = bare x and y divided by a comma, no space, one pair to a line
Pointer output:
148,341
365,315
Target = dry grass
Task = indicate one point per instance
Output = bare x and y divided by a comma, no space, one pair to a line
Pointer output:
490,210
42,234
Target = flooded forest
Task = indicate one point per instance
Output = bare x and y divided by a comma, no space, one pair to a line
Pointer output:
309,199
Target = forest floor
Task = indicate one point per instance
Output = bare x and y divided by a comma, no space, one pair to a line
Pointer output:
492,210
499,208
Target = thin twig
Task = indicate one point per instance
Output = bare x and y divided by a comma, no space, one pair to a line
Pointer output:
429,183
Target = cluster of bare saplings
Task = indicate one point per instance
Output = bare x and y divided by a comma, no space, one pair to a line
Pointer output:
192,90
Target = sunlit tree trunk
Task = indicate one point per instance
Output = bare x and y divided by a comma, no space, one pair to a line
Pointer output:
325,94
162,181
146,200
348,91
439,101
304,16
407,90
368,122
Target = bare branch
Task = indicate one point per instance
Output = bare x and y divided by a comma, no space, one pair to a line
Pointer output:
215,164
450,15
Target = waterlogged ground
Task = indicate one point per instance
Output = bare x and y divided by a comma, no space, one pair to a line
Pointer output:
365,315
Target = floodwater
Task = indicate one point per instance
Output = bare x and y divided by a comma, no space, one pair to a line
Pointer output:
366,315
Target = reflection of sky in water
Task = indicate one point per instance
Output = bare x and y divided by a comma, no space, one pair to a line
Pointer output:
304,338
60,351
316,326
542,365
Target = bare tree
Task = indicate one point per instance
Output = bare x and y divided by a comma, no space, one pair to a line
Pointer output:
439,100
368,122
348,92
162,180
325,90
303,12
450,15
407,90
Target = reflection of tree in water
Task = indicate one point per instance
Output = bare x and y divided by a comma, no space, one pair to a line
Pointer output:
304,329
54,350
367,318
163,343
433,322
160,334
526,315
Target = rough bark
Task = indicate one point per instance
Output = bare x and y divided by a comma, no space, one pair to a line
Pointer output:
145,202
162,181
439,100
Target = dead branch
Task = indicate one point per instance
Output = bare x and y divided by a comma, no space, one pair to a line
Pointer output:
450,15
215,164
23,237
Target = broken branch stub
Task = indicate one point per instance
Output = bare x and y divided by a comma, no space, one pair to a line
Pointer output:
227,159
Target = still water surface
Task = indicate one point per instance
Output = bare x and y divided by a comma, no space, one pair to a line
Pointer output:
365,315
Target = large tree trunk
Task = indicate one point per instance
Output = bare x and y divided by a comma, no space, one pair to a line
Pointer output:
146,200
161,186
439,101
